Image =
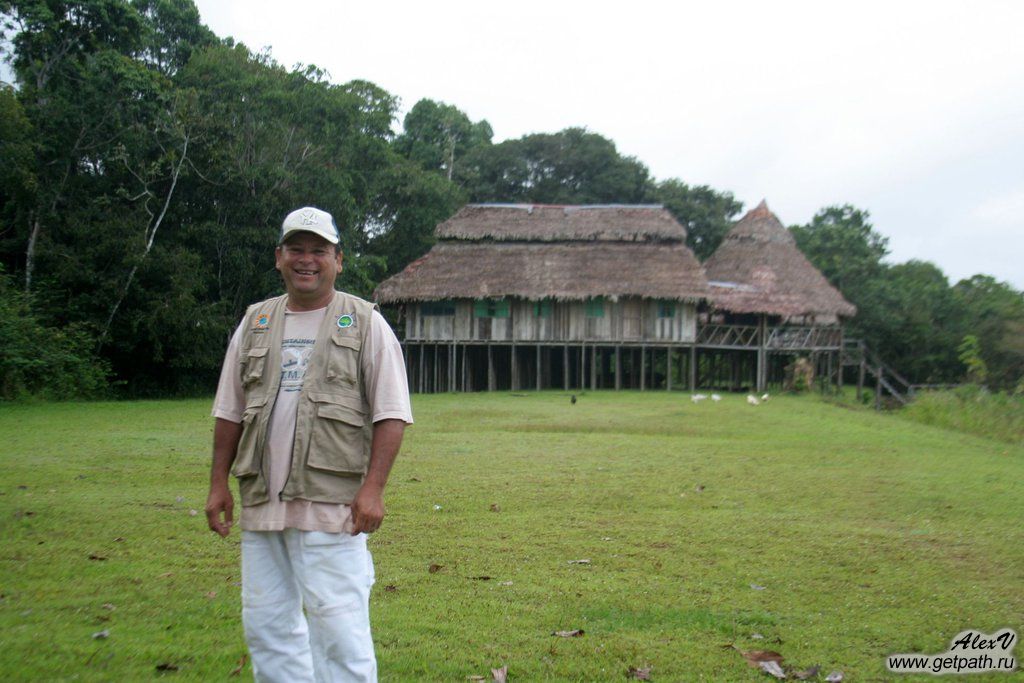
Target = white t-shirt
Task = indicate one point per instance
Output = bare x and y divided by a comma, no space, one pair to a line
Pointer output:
387,392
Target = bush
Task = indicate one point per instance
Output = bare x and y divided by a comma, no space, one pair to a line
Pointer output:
971,409
44,362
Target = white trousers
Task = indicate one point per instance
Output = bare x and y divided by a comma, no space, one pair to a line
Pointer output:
329,577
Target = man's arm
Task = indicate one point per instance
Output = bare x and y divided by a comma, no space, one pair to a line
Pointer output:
225,443
368,505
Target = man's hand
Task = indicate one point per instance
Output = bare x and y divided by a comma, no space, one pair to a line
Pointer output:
367,510
368,506
220,501
225,442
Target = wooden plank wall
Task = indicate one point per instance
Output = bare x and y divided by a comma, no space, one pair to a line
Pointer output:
626,320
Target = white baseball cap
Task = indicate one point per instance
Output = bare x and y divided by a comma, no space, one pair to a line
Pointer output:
309,219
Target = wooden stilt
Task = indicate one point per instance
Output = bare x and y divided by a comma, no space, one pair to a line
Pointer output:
514,383
860,378
538,367
565,367
618,369
668,369
693,367
828,361
643,368
490,368
593,368
423,366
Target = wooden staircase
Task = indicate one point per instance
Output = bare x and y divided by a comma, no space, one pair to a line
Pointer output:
888,382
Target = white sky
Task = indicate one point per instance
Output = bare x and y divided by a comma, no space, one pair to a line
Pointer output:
913,110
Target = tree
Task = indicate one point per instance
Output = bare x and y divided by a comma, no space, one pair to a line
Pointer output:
706,214
993,312
573,166
437,136
841,242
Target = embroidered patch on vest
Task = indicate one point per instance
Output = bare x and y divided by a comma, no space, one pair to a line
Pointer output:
346,320
262,322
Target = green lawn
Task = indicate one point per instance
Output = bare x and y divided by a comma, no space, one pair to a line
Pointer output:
865,535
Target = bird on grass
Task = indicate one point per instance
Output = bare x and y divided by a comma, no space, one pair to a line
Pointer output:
752,400
716,398
697,398
572,399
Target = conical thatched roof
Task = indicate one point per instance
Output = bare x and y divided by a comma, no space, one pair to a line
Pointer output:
759,269
559,252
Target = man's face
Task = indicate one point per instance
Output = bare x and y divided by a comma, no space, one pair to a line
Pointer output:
309,265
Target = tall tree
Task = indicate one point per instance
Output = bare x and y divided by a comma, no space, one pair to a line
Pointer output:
573,166
993,312
706,214
437,136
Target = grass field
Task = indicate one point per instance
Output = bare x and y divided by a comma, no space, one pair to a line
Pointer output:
839,535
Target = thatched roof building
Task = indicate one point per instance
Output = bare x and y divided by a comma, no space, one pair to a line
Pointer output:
553,252
759,269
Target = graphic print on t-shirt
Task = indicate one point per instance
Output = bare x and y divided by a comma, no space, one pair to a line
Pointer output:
295,354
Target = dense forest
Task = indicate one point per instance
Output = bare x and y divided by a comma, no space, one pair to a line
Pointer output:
146,163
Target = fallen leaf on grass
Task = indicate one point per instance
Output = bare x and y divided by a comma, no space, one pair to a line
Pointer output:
756,587
192,513
179,499
639,674
211,595
480,578
495,507
18,514
435,568
755,657
475,678
500,675
166,666
97,557
809,673
505,583
413,479
166,575
835,677
772,669
390,588
575,633
698,488
579,561
119,539
100,635
241,665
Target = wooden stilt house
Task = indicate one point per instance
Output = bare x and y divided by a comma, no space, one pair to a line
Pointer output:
766,295
531,296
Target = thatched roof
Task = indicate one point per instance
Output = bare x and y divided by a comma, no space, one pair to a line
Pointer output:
548,223
564,253
759,269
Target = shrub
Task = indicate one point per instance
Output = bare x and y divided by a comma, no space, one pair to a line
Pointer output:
971,409
44,362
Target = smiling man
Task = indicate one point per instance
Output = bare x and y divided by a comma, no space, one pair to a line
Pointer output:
310,412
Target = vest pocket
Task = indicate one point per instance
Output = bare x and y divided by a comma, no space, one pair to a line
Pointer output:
248,456
343,361
253,365
337,444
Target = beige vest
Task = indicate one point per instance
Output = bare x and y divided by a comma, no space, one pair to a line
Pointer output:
333,425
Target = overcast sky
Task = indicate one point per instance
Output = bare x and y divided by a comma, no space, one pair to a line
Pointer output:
912,110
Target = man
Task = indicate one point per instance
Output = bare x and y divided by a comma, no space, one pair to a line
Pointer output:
310,411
